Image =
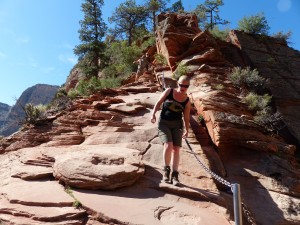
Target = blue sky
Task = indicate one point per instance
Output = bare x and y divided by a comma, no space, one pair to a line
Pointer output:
38,36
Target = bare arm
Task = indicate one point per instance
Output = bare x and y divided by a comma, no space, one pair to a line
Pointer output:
158,104
186,119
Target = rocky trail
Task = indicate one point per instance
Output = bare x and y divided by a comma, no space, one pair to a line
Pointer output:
114,174
100,160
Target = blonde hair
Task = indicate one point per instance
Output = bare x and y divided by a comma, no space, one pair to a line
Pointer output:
184,78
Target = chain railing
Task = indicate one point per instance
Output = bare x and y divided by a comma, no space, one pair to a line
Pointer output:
247,214
235,189
215,176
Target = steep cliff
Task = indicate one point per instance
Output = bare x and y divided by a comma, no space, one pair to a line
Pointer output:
37,94
264,163
4,110
280,65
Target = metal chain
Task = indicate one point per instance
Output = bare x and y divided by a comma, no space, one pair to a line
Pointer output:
246,212
215,176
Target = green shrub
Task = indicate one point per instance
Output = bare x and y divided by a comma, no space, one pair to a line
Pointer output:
248,77
61,92
256,24
200,118
69,191
73,93
161,59
34,114
110,82
257,102
91,86
151,41
271,60
264,115
77,204
282,36
218,86
87,87
180,70
120,59
61,100
219,34
271,121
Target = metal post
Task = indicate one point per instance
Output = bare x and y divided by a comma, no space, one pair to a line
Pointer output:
237,204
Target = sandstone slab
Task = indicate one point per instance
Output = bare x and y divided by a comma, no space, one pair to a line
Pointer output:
23,214
99,168
148,207
36,193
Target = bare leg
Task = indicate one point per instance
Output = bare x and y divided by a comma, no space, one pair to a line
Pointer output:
176,158
174,176
167,156
168,148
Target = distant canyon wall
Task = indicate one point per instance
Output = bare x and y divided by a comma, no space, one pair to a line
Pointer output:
37,94
4,110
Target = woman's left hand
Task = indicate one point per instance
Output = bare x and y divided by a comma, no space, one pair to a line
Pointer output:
153,119
185,135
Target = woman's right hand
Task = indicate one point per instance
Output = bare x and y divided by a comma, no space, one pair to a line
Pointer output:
153,119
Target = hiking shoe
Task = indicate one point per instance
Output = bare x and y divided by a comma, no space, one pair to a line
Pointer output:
174,178
166,176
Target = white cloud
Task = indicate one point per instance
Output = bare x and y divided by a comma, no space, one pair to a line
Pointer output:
31,62
2,16
67,58
23,40
68,46
2,13
2,55
47,70
284,5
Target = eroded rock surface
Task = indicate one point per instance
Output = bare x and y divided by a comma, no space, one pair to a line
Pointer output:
120,152
244,146
103,154
99,167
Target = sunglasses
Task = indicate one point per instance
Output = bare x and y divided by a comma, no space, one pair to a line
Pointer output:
183,85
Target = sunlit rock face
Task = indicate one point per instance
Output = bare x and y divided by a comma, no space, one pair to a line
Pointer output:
103,153
229,122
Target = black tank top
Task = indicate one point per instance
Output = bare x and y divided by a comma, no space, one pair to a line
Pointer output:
172,109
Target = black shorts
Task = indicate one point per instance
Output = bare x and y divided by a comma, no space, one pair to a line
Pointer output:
171,131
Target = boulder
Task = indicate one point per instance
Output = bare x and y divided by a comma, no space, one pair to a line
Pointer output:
105,168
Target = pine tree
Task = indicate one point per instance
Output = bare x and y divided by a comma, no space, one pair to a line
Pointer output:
128,17
93,29
153,7
210,9
177,7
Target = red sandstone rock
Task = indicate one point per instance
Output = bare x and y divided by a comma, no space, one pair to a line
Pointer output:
233,147
105,168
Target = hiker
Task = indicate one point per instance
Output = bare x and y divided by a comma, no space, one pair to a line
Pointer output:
175,104
143,65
